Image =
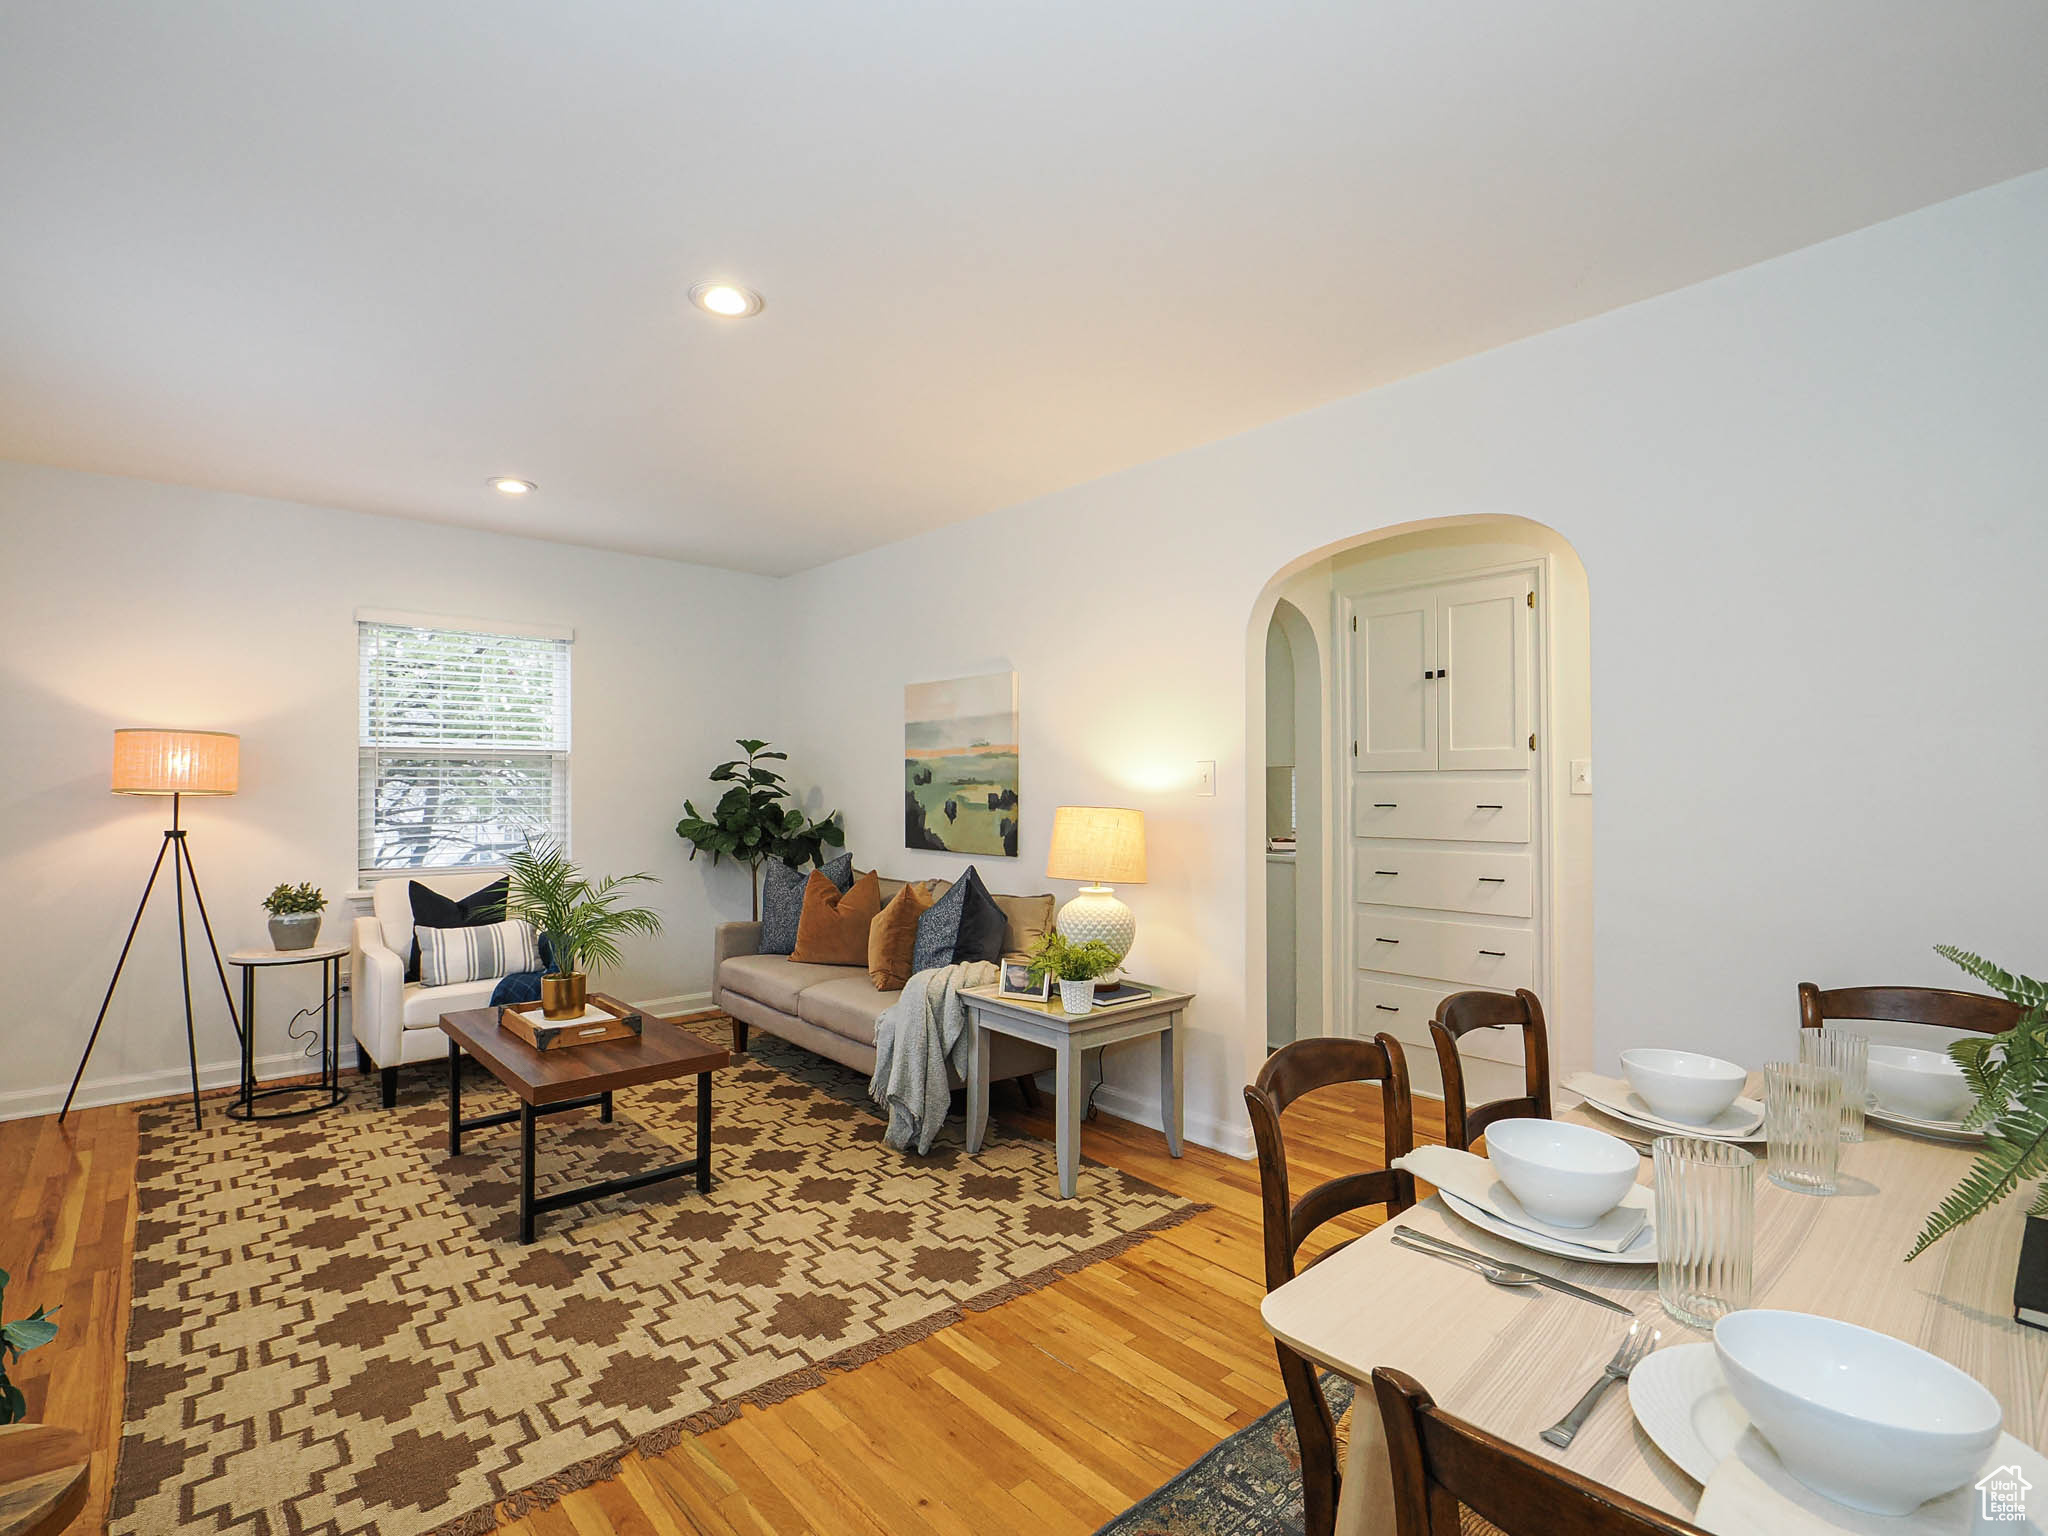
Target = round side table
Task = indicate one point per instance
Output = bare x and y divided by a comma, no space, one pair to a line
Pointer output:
327,1092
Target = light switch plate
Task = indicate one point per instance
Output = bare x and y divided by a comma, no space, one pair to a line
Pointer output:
1205,777
1582,775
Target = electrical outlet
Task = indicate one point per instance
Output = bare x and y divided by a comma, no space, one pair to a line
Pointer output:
1582,775
1205,777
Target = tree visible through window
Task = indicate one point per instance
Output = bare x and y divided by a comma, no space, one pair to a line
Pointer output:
464,747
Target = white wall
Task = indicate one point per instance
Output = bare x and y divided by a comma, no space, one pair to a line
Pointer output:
1812,502
127,603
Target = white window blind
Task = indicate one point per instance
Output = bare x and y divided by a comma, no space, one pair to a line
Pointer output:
464,747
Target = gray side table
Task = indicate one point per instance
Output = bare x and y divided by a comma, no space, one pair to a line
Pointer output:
1069,1036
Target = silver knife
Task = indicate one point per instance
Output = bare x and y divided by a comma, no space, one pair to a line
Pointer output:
1536,1276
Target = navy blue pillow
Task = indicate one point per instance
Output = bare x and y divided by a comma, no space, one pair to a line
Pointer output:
782,900
963,924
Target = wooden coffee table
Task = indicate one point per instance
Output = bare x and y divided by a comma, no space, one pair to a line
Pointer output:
577,1077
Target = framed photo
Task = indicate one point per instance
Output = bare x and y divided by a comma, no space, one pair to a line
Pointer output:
1016,980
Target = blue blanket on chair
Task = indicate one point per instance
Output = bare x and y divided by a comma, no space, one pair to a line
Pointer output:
523,986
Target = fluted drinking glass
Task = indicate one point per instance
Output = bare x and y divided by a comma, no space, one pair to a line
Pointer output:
1849,1054
1803,1125
1706,1227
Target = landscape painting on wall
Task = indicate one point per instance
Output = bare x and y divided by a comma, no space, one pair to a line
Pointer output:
960,765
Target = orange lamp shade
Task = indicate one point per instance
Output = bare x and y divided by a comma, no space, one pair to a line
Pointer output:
177,762
1098,843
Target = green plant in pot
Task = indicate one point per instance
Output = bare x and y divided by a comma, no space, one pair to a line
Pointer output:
1073,966
2009,1074
295,915
582,920
753,821
16,1339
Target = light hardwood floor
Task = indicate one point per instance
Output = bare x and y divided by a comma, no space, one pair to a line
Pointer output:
1048,1414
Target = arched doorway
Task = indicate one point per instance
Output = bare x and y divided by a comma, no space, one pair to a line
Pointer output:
1441,859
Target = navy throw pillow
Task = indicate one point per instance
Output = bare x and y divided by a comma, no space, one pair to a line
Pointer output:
963,924
523,987
430,909
782,900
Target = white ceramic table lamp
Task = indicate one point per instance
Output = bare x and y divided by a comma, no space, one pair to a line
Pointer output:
1102,846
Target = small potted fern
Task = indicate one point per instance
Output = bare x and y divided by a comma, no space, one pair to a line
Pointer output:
581,919
1074,967
2009,1074
295,915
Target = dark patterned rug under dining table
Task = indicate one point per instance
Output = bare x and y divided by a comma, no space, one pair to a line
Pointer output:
335,1330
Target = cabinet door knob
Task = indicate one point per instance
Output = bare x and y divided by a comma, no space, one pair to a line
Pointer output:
1386,941
1386,1008
1488,807
1493,879
1386,805
1386,872
1498,954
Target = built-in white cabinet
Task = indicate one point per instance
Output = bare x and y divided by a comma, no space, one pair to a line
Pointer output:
1444,862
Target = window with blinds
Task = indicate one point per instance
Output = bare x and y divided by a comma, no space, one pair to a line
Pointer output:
464,745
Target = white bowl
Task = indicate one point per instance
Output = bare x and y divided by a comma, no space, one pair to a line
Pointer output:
1924,1084
1683,1085
1567,1175
1859,1417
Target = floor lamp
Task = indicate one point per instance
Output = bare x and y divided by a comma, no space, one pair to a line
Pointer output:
174,763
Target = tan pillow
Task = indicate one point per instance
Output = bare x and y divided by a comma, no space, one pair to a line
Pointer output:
833,929
1027,919
894,936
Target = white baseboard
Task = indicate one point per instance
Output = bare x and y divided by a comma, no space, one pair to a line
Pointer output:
678,1002
1232,1139
168,1083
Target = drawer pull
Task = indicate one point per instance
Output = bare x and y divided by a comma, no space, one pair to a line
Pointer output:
1389,872
1386,1008
1498,954
1493,879
1387,805
1489,807
1386,941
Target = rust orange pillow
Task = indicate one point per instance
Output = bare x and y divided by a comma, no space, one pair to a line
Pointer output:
833,929
894,936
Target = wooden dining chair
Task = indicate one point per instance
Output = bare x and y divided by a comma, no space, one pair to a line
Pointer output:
1444,1468
1908,1005
1290,1072
1457,1016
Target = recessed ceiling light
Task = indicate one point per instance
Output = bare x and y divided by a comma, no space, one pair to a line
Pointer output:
505,485
728,301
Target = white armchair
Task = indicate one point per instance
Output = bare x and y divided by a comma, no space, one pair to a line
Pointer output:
398,1021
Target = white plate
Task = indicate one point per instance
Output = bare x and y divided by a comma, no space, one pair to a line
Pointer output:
1938,1130
1642,1251
1682,1401
1741,1121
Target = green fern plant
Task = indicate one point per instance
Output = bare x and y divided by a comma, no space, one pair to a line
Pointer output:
581,918
2009,1074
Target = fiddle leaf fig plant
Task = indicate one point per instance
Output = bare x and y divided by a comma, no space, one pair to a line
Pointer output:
2009,1074
16,1339
753,821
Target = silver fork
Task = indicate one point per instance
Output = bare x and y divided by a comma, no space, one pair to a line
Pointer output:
1636,1345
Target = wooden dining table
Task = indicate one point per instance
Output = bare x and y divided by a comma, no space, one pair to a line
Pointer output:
1512,1362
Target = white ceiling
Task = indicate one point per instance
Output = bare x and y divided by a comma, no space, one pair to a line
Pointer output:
366,255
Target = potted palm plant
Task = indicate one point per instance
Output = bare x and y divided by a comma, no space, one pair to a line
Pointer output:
1074,967
580,920
2009,1074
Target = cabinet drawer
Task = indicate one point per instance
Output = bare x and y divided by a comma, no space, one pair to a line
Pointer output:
1403,1007
1470,954
1498,883
1435,806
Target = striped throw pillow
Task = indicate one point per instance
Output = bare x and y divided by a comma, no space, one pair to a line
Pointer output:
451,955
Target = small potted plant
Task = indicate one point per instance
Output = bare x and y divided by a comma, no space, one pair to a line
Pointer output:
1074,967
581,920
295,915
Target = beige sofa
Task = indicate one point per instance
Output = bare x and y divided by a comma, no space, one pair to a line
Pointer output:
831,1009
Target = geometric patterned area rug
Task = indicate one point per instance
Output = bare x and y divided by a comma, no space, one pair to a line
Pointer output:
1250,1485
335,1328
